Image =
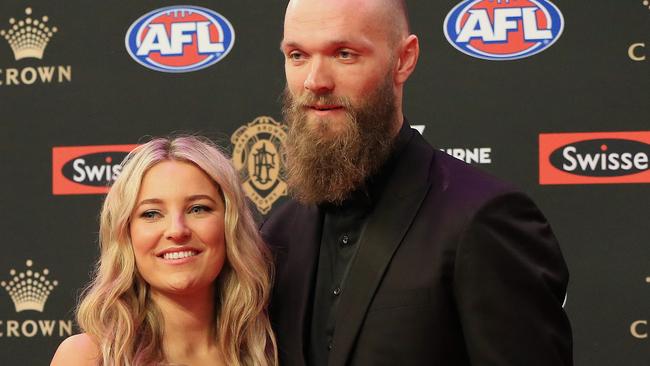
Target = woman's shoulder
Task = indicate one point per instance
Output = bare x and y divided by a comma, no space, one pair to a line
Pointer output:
79,349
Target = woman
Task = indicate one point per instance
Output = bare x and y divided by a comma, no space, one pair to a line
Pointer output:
183,277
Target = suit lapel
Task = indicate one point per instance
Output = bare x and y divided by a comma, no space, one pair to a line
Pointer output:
385,230
303,259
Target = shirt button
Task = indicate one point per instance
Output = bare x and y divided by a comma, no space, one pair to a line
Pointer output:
337,291
330,345
344,240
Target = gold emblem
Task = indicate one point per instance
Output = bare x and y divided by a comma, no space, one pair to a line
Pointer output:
29,289
28,37
257,155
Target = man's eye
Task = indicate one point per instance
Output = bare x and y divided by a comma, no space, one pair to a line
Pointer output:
295,56
346,55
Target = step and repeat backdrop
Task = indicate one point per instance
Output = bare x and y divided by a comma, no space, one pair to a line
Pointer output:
552,96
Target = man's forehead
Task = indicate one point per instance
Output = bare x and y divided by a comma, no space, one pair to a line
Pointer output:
335,20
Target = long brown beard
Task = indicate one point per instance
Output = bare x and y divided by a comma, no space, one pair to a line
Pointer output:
325,168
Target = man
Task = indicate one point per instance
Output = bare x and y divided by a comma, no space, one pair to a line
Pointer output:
393,253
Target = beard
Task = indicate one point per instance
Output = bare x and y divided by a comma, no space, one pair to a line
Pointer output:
326,163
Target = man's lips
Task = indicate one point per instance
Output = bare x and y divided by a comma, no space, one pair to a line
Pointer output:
324,107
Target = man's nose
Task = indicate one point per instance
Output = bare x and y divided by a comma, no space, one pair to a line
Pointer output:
319,80
177,229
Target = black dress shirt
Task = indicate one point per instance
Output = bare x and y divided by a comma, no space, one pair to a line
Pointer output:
343,227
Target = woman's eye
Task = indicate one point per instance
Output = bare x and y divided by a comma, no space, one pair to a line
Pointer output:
150,215
199,209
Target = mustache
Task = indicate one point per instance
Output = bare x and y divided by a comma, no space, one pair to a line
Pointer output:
309,99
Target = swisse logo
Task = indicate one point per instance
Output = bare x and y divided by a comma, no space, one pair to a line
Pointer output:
98,169
180,39
601,157
503,29
86,169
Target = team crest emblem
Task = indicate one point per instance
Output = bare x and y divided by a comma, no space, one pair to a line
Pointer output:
257,155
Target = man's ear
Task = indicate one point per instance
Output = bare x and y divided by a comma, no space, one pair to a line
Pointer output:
407,58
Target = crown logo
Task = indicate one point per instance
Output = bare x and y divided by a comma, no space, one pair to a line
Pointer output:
29,290
28,37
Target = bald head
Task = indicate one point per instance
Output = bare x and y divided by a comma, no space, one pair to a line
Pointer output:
390,15
348,49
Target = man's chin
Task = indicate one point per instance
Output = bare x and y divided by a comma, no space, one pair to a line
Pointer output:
326,127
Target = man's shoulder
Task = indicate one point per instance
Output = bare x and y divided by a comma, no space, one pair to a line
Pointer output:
464,186
449,172
467,176
283,220
287,209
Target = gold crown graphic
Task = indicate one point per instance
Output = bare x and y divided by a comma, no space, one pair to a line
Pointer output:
28,37
29,290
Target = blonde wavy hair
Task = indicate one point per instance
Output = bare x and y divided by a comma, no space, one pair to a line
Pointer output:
116,309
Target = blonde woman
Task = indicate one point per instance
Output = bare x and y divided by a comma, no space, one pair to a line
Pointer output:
183,277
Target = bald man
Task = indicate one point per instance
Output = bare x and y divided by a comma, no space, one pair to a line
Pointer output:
391,252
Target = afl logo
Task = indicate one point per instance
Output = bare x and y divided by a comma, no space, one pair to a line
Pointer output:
503,29
180,39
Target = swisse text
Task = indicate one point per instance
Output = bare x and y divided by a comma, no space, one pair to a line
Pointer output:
603,161
95,169
94,173
602,157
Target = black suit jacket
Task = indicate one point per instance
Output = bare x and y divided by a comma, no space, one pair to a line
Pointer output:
455,268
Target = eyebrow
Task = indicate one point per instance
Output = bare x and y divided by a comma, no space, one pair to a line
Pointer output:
360,44
192,198
284,45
